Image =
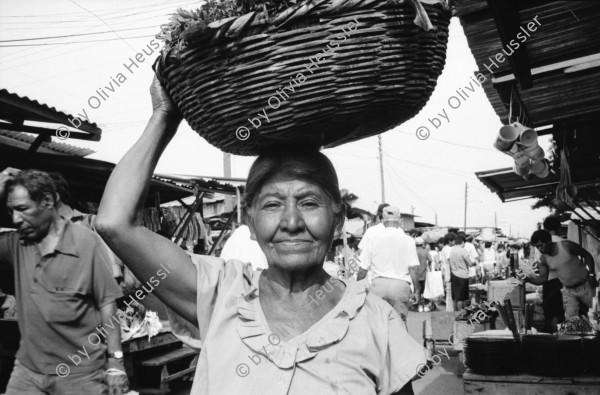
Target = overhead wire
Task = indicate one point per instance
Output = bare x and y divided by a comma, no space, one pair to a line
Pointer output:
79,42
76,35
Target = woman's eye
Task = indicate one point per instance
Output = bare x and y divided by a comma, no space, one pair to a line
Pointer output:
271,205
309,204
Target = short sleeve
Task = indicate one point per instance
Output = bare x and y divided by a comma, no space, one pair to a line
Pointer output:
214,278
405,357
363,242
365,258
104,286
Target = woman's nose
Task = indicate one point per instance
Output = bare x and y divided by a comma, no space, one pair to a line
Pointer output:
292,220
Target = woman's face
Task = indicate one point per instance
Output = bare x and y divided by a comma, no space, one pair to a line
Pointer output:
293,222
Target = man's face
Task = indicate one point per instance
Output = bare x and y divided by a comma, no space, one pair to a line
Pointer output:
31,218
544,247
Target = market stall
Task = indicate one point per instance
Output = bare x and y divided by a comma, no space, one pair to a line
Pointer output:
547,85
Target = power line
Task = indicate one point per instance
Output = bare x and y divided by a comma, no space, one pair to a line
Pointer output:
77,35
78,42
450,142
102,20
106,12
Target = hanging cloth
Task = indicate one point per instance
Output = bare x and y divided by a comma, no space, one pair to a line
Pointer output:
566,191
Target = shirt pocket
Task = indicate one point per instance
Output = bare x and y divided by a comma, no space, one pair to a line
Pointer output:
60,305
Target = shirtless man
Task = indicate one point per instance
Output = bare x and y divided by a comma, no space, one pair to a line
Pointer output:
570,262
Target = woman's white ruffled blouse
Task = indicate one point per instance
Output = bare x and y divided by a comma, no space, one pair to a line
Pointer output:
360,347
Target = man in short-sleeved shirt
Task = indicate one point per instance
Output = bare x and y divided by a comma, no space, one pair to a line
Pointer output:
64,290
389,255
459,266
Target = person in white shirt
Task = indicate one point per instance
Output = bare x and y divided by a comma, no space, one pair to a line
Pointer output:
488,258
474,256
240,246
389,254
373,230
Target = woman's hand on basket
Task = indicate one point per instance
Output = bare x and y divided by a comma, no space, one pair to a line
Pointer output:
161,102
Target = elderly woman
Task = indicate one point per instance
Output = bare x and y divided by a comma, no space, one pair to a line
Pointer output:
289,329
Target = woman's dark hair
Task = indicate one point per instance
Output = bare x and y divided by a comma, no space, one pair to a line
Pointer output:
307,165
459,240
37,183
542,236
488,244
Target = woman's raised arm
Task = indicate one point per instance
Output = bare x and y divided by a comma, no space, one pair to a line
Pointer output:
142,250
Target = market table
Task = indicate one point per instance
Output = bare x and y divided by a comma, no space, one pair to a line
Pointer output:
153,363
525,384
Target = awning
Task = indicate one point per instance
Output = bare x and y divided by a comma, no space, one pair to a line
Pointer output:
15,110
510,186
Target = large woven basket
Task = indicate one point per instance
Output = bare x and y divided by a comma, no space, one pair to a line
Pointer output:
381,73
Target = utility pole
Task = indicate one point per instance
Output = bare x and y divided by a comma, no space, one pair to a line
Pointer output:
412,210
495,220
381,169
436,224
466,193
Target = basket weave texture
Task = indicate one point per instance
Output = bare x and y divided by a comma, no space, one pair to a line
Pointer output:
321,73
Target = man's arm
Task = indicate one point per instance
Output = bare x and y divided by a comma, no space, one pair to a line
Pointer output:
541,278
113,339
142,250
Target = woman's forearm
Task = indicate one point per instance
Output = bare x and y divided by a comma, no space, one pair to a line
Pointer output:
146,253
128,184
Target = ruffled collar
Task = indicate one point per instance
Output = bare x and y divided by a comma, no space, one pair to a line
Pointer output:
331,329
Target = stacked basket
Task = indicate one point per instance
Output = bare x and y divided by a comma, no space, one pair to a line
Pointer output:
380,74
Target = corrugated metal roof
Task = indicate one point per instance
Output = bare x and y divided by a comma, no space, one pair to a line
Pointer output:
16,109
510,186
24,141
568,35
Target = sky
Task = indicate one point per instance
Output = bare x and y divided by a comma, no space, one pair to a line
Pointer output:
61,52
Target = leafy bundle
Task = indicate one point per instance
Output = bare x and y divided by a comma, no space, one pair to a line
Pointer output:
185,24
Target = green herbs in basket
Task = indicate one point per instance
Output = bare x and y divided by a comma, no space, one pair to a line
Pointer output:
190,24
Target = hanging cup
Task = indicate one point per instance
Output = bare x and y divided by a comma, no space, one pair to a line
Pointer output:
520,158
540,168
523,169
507,136
534,152
527,136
